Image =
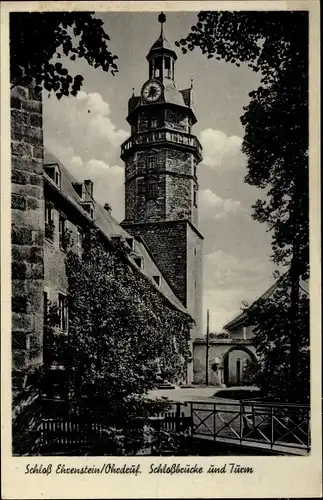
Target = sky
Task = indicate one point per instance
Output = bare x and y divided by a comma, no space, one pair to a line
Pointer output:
86,132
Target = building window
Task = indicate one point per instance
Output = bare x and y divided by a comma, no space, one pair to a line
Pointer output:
153,123
45,308
49,221
62,232
150,163
139,261
79,240
141,187
62,312
157,280
152,190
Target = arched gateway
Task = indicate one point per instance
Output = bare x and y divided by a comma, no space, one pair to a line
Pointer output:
234,362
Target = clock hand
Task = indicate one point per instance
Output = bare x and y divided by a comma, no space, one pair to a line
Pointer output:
152,92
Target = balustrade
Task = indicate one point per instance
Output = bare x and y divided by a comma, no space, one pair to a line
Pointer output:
158,136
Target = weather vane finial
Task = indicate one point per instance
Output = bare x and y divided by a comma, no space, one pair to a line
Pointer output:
162,20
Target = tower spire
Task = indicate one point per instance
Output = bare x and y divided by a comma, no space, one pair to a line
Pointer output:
162,20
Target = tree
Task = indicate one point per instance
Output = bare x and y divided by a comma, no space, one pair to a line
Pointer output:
273,342
38,41
276,128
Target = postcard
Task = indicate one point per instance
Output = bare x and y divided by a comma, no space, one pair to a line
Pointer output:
160,250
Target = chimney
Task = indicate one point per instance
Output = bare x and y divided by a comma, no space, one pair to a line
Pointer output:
88,189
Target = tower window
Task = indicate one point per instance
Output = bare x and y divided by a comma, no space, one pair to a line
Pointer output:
195,197
167,67
151,163
158,67
153,123
140,167
152,189
141,187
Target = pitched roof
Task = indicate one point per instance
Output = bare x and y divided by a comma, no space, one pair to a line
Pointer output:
110,227
238,320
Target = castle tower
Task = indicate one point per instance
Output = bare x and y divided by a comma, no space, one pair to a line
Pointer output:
161,187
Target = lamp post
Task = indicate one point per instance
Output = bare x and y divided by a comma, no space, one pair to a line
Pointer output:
207,348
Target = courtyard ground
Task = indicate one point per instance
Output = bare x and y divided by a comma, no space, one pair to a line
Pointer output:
180,394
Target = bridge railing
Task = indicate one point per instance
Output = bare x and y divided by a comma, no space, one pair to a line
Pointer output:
271,425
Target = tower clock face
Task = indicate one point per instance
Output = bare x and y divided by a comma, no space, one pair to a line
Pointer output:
151,91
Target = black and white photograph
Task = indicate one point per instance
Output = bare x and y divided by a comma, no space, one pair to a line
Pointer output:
160,237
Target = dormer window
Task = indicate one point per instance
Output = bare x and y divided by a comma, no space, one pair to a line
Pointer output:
130,243
139,261
79,188
157,280
53,171
116,238
88,207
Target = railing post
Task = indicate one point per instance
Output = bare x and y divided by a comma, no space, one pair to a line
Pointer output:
241,422
192,421
308,431
178,417
272,426
214,421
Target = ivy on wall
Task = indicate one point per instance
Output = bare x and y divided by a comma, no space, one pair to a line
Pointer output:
123,337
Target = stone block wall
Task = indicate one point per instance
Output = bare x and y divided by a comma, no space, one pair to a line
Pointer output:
27,237
167,244
172,172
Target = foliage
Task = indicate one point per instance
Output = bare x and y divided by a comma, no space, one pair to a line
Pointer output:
273,339
220,335
26,417
276,119
38,40
121,331
123,338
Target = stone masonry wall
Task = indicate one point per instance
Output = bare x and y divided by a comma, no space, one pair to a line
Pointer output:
174,193
167,243
27,212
